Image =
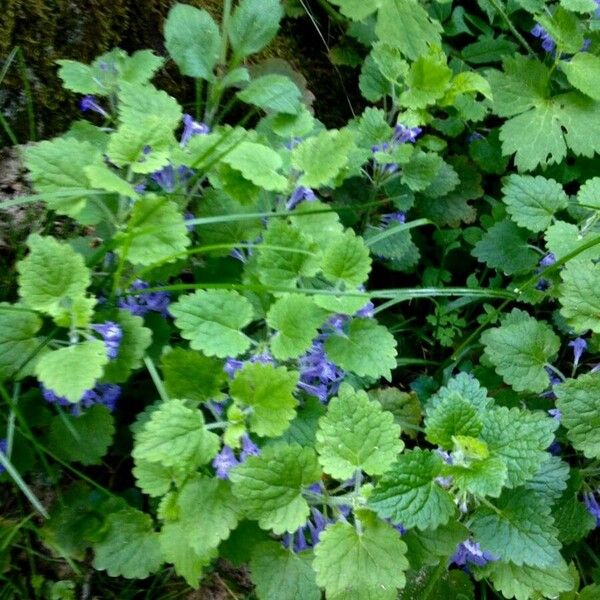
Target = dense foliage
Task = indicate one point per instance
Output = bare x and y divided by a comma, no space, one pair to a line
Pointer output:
359,361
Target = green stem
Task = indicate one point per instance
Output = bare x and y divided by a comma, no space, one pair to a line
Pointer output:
500,10
158,383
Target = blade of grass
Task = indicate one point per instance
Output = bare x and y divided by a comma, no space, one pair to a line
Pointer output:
20,483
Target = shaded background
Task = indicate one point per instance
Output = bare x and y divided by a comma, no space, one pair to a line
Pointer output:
46,30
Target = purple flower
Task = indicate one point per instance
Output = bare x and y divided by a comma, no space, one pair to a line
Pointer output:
392,218
548,44
469,552
232,365
403,134
475,135
319,377
249,448
106,394
542,285
89,103
366,311
169,178
579,346
592,505
142,304
112,335
224,462
309,534
192,128
3,449
299,195
548,260
555,413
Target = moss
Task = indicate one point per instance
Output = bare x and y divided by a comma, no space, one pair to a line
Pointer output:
47,30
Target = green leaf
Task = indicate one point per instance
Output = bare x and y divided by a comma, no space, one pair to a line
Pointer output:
504,246
253,25
84,438
430,546
542,127
155,479
322,157
405,407
365,564
357,10
303,429
212,320
268,391
465,385
216,203
58,165
17,338
273,92
589,193
107,71
287,255
564,27
532,201
366,348
147,119
520,438
71,371
427,80
580,295
279,574
408,493
101,177
525,582
175,436
579,403
520,349
192,375
270,485
421,170
188,563
583,72
318,221
130,547
573,520
485,477
357,434
52,276
156,231
193,41
418,30
259,164
563,238
428,583
453,415
521,531
346,260
297,319
208,511
550,480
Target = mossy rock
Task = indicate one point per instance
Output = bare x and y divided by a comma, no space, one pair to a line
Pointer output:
46,30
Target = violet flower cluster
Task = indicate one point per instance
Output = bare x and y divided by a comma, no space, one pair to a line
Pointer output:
468,553
106,394
112,334
226,459
402,135
142,304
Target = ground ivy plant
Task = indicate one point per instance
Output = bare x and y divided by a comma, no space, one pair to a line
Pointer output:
359,361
